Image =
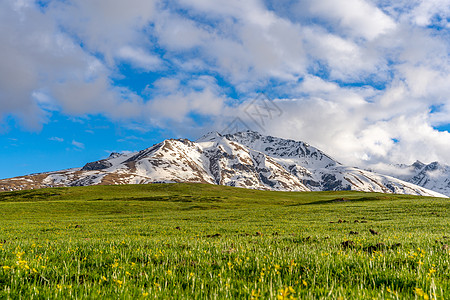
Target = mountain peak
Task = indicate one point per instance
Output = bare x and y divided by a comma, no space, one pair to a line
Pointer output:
114,155
433,166
418,165
210,136
214,135
248,133
246,159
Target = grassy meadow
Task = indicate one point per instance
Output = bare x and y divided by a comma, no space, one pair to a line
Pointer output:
193,241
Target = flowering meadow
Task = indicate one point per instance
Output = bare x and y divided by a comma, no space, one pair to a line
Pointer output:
194,241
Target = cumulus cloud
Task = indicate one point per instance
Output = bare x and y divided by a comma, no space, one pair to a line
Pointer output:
104,26
36,57
364,80
139,58
432,12
177,103
358,18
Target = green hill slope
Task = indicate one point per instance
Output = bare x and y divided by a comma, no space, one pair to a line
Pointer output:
206,241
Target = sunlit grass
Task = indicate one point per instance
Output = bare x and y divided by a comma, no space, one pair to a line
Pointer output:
201,241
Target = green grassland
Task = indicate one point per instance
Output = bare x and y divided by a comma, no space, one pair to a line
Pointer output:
193,241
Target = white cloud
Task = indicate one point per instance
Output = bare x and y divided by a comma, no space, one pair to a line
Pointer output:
179,33
435,12
78,144
56,139
97,96
359,18
140,58
345,59
105,26
175,101
353,75
36,59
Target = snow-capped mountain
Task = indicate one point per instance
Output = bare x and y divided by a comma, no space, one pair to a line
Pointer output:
433,176
244,159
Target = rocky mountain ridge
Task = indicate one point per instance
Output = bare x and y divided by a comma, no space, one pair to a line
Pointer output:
433,176
244,159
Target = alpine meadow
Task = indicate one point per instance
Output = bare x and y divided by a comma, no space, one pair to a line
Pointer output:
225,149
198,241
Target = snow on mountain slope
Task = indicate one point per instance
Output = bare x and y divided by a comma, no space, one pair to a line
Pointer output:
230,163
433,176
225,162
317,170
301,152
245,159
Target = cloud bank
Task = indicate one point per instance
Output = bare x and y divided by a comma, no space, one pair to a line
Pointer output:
366,81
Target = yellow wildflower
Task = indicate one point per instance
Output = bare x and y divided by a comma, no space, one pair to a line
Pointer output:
119,282
286,293
255,295
419,291
431,271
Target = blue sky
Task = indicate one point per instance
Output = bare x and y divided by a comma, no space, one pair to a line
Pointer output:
364,80
68,142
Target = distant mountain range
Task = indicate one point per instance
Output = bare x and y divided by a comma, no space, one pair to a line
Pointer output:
244,159
433,176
